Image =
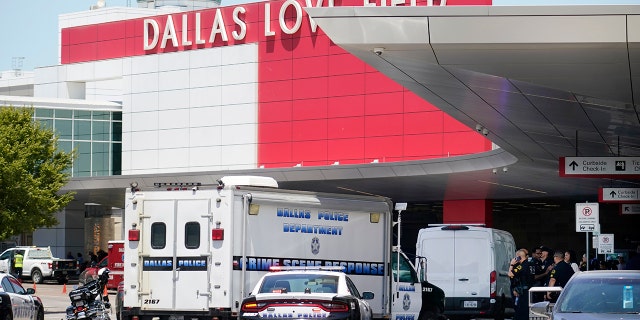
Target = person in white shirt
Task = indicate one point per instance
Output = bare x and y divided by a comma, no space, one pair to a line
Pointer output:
570,258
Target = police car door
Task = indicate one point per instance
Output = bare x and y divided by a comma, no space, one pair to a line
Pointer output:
174,246
22,304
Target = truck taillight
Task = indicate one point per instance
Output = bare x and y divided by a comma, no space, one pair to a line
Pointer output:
492,284
134,235
217,234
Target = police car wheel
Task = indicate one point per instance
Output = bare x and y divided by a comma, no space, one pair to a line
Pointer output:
40,315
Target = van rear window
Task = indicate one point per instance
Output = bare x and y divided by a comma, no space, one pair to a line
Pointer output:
158,235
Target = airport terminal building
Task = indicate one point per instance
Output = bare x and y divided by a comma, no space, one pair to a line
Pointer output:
175,93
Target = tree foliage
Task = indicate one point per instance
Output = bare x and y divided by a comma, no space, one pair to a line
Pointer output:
32,172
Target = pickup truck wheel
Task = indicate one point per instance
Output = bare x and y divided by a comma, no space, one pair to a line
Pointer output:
9,316
36,276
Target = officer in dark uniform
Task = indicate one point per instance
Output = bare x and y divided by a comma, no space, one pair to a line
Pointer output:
560,274
521,276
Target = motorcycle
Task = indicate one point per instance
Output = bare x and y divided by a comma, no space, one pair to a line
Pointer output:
87,302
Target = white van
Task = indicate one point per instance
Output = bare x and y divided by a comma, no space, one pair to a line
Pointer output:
470,264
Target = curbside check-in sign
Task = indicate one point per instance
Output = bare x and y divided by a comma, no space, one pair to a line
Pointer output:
587,217
599,167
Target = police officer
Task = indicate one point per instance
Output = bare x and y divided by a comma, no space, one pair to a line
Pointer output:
560,274
17,263
520,272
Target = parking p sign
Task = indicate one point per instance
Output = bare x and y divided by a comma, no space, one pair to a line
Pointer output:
587,217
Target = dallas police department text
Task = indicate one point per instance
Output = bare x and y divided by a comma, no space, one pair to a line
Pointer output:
185,36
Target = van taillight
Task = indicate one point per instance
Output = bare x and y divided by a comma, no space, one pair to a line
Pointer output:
134,235
492,284
217,234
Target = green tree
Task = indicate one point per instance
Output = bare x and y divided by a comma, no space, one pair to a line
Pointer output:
32,172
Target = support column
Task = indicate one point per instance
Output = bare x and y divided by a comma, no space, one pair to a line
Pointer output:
467,212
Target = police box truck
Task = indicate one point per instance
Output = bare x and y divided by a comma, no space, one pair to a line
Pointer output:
193,252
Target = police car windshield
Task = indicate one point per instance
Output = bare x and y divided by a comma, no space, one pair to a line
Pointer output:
601,295
287,282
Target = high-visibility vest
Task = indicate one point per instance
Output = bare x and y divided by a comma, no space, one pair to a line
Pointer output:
18,258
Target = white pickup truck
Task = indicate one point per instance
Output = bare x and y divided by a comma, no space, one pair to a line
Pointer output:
39,264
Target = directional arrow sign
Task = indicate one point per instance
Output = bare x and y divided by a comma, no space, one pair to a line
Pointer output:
629,208
600,167
620,195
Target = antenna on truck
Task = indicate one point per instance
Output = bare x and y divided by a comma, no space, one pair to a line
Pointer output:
399,207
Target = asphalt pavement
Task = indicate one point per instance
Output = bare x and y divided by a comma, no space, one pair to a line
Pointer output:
55,298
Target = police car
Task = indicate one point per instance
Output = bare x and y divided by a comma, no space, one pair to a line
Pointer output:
18,303
306,293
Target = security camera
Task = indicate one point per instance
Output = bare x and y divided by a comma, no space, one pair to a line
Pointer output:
478,128
485,131
378,51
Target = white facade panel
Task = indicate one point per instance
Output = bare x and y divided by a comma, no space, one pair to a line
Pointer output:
80,72
206,57
145,64
173,61
46,90
201,158
238,157
206,77
239,114
143,161
240,54
174,159
106,90
144,82
172,80
239,94
173,99
205,97
173,138
143,122
173,119
205,136
239,134
108,69
205,116
141,102
239,73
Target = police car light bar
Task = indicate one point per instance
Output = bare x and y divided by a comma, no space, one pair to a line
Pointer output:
316,268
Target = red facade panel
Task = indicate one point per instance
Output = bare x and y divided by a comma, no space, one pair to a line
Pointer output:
309,130
423,122
349,127
346,151
384,103
310,109
383,125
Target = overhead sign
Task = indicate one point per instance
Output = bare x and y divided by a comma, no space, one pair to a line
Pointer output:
587,217
599,167
629,208
605,243
626,195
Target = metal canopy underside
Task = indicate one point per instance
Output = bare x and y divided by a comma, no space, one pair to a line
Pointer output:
544,81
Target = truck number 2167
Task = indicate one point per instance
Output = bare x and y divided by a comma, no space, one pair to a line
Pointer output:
151,301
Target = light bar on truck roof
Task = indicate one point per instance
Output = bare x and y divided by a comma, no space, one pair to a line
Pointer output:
307,268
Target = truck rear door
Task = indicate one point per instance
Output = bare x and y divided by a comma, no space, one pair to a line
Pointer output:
176,254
